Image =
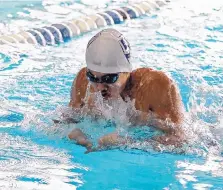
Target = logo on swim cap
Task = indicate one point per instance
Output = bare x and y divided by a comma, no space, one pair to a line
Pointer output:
125,47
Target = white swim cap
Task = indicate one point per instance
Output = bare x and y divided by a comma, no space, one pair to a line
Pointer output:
108,52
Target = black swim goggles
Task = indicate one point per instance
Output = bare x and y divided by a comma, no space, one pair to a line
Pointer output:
108,78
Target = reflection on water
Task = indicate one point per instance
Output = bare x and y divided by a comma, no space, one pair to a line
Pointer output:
211,167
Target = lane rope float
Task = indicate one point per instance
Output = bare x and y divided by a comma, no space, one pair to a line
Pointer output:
63,32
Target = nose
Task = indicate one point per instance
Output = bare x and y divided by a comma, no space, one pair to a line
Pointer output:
101,86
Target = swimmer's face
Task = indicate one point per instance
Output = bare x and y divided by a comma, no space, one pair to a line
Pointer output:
110,85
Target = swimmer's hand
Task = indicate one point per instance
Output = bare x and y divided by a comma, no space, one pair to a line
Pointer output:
176,140
109,141
80,138
112,139
105,142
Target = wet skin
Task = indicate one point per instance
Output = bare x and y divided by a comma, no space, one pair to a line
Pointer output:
155,96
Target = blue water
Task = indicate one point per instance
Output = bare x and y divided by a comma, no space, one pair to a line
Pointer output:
184,39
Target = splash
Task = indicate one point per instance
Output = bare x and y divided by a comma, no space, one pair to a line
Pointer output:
117,115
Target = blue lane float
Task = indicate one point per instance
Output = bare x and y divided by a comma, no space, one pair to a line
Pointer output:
63,32
131,11
115,16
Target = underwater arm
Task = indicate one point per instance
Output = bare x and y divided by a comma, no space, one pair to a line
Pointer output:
108,141
112,139
81,139
76,115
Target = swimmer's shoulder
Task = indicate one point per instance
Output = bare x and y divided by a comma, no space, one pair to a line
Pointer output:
149,75
82,73
81,81
155,91
140,72
78,90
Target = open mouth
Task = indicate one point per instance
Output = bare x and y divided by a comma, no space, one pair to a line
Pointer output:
105,94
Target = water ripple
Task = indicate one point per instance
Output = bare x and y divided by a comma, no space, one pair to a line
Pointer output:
47,165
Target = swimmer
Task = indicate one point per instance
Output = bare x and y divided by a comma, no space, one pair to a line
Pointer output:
109,72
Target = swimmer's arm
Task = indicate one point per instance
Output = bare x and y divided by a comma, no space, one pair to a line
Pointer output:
109,141
81,139
112,139
70,118
167,112
173,134
78,90
77,95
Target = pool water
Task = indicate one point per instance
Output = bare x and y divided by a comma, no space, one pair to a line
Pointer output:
183,39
